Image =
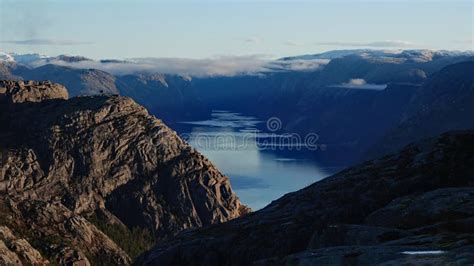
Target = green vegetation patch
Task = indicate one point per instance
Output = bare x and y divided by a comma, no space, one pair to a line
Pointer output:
133,241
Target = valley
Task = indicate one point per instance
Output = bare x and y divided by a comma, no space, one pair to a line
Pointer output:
236,133
260,164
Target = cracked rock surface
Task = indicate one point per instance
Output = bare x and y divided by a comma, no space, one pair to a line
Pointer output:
78,175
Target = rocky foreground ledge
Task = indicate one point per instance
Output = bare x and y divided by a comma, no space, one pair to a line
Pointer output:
415,207
96,180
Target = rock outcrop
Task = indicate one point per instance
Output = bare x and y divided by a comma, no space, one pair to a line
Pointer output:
97,179
31,91
14,251
412,207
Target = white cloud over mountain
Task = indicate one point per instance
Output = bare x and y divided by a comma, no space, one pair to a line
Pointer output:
215,66
46,42
255,40
361,84
293,43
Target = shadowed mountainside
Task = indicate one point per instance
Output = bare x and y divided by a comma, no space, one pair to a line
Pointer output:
445,102
419,199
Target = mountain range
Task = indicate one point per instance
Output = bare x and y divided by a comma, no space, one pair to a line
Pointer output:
376,90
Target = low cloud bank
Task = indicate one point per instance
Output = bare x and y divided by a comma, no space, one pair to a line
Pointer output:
46,42
297,64
217,66
361,84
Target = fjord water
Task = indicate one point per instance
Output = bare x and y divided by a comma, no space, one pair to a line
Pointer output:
261,166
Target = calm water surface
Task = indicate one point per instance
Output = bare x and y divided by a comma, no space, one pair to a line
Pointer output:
258,173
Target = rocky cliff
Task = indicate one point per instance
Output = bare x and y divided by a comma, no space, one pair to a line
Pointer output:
96,179
409,208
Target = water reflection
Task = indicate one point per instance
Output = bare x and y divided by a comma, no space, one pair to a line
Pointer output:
258,174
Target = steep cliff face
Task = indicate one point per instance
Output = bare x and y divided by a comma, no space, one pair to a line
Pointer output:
75,172
420,199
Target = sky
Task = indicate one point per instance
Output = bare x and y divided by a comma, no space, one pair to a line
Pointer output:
212,28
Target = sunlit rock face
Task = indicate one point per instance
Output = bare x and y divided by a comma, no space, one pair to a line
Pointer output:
75,171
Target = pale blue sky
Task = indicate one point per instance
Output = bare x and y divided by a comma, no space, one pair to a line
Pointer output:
198,29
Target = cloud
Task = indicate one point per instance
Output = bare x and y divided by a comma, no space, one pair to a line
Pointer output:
215,66
466,41
255,40
378,44
360,84
297,65
292,43
46,42
356,82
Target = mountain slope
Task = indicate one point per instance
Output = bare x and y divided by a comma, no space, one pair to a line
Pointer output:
445,102
168,96
421,198
89,178
77,81
6,71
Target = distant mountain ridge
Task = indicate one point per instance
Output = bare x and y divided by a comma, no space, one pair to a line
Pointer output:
292,63
77,81
35,59
420,55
